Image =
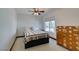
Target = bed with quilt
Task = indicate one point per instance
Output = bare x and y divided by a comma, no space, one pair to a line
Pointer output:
34,38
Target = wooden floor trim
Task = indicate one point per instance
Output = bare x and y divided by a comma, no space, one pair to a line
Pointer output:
15,41
52,37
13,44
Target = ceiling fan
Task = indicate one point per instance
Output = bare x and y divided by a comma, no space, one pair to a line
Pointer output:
37,11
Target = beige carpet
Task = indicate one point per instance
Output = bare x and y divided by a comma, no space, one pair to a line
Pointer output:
52,46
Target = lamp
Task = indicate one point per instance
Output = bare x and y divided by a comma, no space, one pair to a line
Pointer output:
36,14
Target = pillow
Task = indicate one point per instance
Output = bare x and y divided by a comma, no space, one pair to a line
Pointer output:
35,28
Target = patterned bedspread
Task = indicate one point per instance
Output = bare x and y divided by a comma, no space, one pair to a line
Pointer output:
35,35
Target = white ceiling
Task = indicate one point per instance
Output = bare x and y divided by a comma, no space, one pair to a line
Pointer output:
27,10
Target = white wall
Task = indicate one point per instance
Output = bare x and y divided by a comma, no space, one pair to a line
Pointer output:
66,17
27,21
7,28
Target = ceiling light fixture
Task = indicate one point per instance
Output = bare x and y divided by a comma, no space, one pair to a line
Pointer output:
37,11
35,14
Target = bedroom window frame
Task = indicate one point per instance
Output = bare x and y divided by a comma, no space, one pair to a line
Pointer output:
49,25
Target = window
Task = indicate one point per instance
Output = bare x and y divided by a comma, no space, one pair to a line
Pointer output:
46,26
50,26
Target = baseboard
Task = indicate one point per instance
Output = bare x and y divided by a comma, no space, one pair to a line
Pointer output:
51,37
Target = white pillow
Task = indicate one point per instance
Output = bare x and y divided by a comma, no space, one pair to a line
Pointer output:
35,28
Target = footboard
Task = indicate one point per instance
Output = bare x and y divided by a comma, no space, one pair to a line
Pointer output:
36,42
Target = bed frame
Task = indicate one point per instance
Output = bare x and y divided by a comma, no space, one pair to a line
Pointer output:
36,42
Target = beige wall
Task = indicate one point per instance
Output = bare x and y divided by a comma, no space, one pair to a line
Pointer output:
66,17
7,28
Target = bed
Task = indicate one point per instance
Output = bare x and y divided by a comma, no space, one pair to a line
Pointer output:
34,38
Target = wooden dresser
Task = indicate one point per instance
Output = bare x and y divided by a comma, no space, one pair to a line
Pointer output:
68,37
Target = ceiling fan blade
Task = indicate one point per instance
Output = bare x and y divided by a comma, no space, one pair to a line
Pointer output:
42,11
